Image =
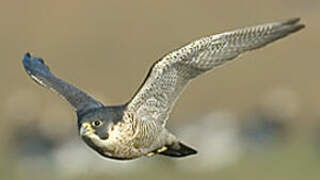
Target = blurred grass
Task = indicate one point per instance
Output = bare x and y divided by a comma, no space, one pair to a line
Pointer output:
294,161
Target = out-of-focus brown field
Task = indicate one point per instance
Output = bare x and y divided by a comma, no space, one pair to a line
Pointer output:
257,118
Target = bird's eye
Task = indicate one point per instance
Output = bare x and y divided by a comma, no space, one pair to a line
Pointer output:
96,123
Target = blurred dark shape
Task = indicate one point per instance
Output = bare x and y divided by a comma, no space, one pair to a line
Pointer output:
316,140
263,129
30,141
268,124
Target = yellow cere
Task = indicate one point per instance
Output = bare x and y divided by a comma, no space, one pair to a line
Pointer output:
88,127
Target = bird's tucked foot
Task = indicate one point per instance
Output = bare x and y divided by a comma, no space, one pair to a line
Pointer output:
176,150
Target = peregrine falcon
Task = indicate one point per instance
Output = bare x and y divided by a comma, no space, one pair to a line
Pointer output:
138,127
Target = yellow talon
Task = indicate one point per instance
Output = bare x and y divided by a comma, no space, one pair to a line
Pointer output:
150,154
162,149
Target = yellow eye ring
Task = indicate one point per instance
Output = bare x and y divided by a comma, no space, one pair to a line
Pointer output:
96,123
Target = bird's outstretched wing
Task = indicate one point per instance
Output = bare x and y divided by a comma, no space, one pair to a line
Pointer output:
168,76
40,73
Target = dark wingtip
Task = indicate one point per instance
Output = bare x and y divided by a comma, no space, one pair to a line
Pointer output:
299,27
35,65
292,20
27,54
293,25
26,61
26,57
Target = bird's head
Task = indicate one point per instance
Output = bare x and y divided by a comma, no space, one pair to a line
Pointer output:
99,121
95,125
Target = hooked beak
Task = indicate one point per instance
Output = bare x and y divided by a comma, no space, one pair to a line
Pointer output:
86,129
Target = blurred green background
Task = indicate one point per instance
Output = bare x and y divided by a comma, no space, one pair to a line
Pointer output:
257,118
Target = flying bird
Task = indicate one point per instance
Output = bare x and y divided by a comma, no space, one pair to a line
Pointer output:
138,127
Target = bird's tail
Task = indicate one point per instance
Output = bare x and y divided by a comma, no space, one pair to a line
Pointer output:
178,150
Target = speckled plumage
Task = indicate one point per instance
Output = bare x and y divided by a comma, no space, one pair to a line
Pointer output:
138,127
